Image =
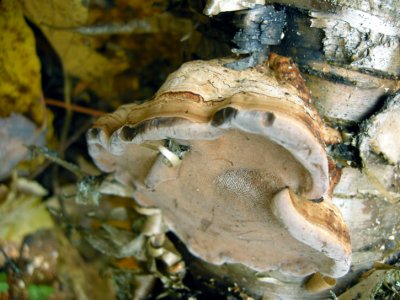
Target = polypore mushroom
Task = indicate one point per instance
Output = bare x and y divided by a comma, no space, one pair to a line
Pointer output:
252,157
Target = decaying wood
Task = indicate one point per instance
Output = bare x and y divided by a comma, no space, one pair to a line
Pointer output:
342,95
360,40
370,198
373,286
387,10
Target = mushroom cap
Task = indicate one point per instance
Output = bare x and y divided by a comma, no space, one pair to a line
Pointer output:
251,136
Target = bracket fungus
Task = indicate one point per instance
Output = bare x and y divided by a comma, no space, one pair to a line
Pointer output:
233,159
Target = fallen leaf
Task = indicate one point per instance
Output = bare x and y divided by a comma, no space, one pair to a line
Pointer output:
16,132
127,263
79,58
20,80
83,278
57,19
22,214
56,13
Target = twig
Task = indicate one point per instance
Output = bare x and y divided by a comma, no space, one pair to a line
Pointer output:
63,138
68,114
133,26
81,130
75,108
88,186
53,156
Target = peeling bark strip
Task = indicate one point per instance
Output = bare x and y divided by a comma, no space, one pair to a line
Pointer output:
362,35
380,148
214,7
362,40
387,10
342,95
381,133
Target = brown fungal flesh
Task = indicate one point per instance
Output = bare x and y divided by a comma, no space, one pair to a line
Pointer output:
249,136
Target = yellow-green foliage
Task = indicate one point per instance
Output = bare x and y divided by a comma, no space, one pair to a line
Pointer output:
20,81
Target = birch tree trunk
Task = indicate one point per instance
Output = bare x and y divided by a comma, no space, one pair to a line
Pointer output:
348,52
